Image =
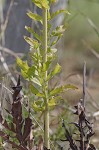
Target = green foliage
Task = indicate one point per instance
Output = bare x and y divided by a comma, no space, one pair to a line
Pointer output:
42,56
35,17
35,73
41,4
30,30
58,12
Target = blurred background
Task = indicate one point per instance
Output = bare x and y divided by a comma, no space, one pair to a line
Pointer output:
80,43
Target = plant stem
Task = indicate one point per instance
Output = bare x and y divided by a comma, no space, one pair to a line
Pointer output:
46,113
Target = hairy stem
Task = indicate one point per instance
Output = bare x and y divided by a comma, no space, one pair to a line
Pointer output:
46,113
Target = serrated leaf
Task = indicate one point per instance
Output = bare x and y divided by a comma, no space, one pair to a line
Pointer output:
30,30
35,17
22,64
55,71
58,12
33,43
61,89
35,91
59,30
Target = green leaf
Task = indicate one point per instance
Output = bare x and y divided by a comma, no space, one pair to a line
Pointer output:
45,4
61,89
37,3
52,102
52,1
49,15
56,91
22,64
36,81
58,12
30,30
56,40
33,43
55,71
59,30
37,108
46,66
70,86
35,17
53,50
41,3
32,71
24,74
39,102
35,91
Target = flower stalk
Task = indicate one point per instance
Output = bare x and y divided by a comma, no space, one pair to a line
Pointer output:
46,112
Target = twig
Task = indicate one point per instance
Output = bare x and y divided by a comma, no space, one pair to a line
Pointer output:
7,69
11,52
96,106
91,49
84,84
4,26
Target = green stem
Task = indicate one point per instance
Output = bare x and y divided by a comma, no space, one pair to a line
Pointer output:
46,113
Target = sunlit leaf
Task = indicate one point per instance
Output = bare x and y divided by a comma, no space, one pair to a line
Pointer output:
56,91
53,50
52,102
34,33
49,15
55,71
22,64
59,30
46,66
37,3
58,12
37,107
35,91
33,43
41,3
70,86
24,74
35,17
61,89
56,40
45,3
32,71
52,1
36,81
